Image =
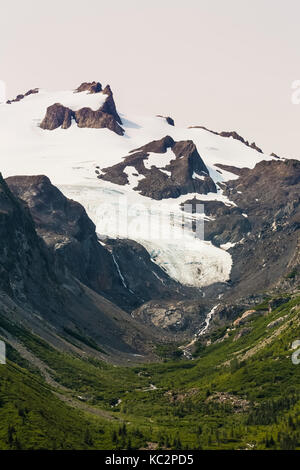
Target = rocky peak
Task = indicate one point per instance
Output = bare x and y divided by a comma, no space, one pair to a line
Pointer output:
187,149
184,173
50,209
107,90
21,96
92,87
109,105
57,116
157,146
254,146
106,116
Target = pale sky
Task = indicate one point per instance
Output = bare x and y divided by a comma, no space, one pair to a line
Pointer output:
227,65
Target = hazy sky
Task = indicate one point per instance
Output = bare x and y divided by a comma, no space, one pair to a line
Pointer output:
228,65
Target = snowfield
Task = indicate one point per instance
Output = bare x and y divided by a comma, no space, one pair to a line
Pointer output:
70,158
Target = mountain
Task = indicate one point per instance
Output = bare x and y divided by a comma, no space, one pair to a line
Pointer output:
55,269
182,172
39,288
134,186
128,241
187,166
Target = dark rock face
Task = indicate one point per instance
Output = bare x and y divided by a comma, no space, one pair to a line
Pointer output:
25,263
106,116
57,116
228,312
109,105
21,97
86,117
232,134
184,174
168,119
226,223
270,195
92,87
264,226
142,276
70,235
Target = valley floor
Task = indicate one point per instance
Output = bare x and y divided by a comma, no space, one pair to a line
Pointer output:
240,391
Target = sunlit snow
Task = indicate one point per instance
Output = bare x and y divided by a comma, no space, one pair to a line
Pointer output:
70,157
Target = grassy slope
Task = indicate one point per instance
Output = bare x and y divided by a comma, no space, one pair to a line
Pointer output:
185,410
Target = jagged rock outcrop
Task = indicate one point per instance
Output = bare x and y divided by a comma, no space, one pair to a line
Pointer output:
233,135
184,173
109,105
91,87
58,115
168,119
255,147
21,96
86,117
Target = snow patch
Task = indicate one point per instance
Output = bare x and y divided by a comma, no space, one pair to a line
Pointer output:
227,246
160,160
133,176
195,176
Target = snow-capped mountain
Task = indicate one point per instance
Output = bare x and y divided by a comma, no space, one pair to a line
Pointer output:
116,163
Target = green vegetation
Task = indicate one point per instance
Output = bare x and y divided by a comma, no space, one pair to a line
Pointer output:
88,341
239,392
169,351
